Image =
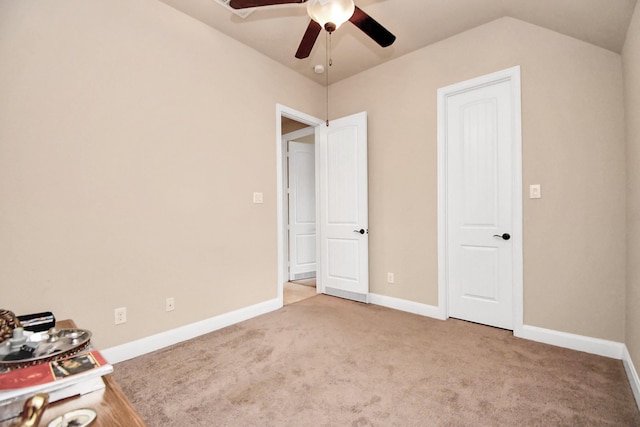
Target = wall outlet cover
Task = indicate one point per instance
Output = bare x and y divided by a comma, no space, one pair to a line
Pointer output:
120,315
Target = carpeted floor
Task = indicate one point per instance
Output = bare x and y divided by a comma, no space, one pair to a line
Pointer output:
330,362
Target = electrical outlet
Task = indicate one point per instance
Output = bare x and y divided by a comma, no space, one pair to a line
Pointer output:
390,278
170,304
120,315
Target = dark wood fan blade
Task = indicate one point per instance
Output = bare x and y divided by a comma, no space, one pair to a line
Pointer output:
244,4
308,40
372,28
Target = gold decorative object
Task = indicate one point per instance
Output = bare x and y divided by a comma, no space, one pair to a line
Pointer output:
32,412
8,322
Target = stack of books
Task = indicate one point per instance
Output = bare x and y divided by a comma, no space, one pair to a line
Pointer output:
75,375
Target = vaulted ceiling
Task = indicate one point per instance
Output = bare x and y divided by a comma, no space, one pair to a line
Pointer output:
276,31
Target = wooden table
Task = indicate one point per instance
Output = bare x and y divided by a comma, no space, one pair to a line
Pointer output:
111,405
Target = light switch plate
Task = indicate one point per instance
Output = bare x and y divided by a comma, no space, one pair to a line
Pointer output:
534,191
257,198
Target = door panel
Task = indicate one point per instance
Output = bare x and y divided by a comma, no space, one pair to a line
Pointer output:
479,162
342,261
342,177
480,280
343,208
479,135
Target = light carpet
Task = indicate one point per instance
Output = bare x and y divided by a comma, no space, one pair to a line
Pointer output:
326,361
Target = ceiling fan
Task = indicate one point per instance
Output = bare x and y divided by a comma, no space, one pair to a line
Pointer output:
327,14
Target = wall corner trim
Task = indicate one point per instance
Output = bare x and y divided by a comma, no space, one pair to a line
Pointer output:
408,306
161,340
632,374
591,345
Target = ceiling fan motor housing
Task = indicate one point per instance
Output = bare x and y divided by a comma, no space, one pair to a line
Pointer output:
330,14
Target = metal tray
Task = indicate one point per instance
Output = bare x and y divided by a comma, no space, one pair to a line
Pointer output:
42,347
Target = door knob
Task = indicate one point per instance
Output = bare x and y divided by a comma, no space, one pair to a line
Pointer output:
361,231
505,236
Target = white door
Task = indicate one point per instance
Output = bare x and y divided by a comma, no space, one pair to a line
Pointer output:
479,136
302,210
343,239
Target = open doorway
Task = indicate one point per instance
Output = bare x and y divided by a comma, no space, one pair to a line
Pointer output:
300,210
296,207
300,195
342,248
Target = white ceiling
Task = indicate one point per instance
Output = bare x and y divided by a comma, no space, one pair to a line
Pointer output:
276,31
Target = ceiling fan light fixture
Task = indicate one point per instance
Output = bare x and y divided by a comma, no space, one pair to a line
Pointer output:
330,14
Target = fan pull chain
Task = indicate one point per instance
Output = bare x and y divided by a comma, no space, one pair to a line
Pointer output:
329,62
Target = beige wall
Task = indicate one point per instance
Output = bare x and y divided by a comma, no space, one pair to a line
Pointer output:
631,62
128,158
573,145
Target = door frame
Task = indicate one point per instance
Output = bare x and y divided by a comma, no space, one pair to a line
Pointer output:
284,111
513,75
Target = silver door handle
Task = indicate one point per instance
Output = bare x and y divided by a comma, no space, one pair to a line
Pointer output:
361,231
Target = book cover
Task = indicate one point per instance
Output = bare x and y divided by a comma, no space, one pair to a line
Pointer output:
46,373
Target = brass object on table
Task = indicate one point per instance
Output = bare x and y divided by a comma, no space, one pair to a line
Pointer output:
8,322
33,410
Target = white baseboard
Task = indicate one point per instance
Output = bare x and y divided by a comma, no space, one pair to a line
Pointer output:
408,306
632,374
548,336
164,339
597,346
